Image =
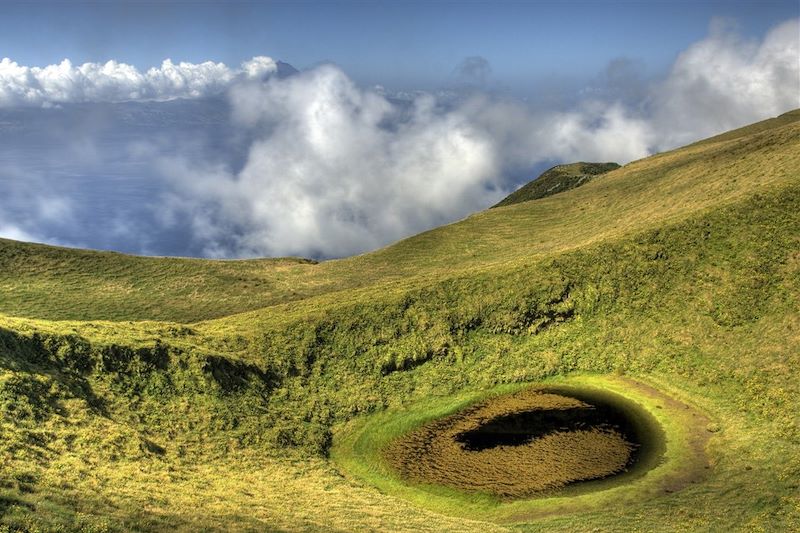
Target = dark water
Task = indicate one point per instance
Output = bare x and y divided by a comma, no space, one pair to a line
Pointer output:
522,427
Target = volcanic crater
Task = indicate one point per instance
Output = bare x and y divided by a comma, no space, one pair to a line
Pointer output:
523,444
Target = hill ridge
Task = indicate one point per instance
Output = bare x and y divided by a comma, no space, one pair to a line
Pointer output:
557,179
54,283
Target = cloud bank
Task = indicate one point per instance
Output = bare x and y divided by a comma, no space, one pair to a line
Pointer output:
119,82
31,205
336,169
724,82
325,168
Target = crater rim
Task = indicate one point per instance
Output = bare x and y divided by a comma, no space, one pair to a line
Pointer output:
633,424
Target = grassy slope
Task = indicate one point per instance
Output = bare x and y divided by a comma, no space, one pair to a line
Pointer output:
682,270
558,179
61,284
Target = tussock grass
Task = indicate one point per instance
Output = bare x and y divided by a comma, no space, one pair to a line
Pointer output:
435,453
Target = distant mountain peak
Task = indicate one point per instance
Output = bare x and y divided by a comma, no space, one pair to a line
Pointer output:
285,69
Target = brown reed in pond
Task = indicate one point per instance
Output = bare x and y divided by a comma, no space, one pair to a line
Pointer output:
514,446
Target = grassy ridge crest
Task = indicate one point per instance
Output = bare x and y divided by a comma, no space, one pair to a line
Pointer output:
557,179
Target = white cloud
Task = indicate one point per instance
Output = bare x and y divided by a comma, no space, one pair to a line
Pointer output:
593,131
327,177
724,82
10,231
31,207
337,170
117,82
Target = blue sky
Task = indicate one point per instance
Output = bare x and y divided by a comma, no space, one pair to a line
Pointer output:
402,45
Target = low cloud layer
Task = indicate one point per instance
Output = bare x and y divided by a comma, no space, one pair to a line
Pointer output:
337,170
119,82
325,168
31,206
726,81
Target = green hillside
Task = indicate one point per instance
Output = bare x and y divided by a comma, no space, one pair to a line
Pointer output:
153,394
558,179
